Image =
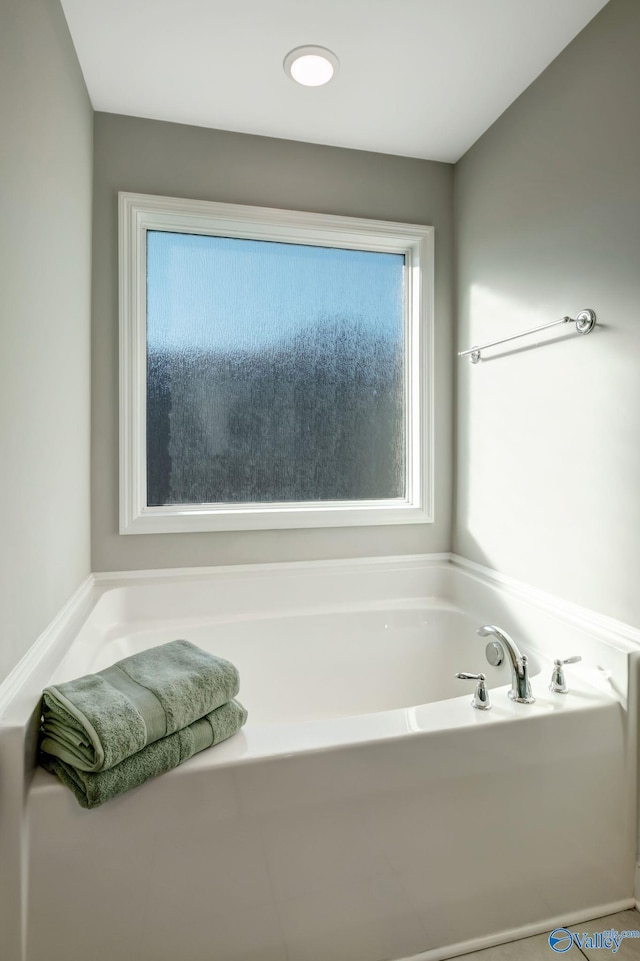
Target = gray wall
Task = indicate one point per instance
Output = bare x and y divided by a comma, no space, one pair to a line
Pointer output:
149,156
548,222
45,255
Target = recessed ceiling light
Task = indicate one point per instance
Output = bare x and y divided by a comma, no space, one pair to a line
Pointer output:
311,66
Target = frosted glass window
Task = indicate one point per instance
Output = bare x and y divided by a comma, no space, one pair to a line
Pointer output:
276,368
275,372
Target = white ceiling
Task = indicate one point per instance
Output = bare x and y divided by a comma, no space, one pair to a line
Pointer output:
418,78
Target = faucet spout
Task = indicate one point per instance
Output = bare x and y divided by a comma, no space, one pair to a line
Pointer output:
520,685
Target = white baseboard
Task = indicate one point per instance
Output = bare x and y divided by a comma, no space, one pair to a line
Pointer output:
525,931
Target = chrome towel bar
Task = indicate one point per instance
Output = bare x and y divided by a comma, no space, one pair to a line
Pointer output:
585,321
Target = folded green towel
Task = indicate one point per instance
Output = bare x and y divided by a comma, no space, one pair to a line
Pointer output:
95,722
92,790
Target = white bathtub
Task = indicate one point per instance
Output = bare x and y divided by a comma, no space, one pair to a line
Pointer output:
366,811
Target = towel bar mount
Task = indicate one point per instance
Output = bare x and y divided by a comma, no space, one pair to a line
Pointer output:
584,321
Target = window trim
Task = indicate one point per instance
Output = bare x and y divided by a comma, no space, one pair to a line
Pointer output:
138,213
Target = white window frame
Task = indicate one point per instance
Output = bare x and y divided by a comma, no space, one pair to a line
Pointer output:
139,213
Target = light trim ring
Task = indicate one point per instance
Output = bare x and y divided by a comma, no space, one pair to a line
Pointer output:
310,65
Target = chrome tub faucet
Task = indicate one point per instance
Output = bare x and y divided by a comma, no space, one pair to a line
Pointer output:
520,685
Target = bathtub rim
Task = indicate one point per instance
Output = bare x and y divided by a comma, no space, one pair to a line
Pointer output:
20,692
54,642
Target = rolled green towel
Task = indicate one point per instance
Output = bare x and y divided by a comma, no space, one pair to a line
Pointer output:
91,790
96,721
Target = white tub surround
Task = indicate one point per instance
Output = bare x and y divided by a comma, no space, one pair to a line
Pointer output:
364,801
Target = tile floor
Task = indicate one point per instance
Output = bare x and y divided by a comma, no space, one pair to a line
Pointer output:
537,948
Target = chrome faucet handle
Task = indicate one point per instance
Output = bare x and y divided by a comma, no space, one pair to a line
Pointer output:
558,683
480,699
